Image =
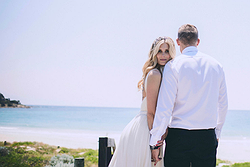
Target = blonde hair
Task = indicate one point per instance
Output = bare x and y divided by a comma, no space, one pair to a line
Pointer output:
152,63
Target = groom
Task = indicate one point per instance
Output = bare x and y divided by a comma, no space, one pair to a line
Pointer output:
192,104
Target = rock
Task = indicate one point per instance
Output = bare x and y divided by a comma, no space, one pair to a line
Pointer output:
2,98
30,149
6,102
58,150
81,153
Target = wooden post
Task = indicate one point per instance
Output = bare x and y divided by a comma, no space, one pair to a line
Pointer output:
79,162
105,155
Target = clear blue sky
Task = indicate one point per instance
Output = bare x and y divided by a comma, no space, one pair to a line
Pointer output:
90,53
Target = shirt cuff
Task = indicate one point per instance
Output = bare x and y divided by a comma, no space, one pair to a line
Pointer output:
153,141
217,132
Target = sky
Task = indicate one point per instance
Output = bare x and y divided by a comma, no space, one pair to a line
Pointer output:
91,53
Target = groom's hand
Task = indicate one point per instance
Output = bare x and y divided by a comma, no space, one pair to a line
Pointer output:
155,156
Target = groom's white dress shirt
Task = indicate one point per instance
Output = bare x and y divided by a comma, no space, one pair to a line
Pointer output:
193,95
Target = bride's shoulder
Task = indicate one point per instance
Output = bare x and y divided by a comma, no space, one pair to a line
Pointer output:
154,72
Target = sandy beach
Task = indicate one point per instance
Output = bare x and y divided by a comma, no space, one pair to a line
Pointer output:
232,149
57,137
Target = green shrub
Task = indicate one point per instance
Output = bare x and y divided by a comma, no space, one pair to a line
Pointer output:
64,150
21,158
13,155
46,149
27,143
61,160
91,156
35,161
4,151
246,164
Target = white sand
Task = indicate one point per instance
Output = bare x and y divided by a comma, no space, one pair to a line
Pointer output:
232,149
63,138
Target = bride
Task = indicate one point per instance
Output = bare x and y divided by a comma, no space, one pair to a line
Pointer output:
133,149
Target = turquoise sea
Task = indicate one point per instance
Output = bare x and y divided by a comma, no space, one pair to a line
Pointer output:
99,119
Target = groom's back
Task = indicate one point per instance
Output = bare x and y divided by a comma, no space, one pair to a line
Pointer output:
199,78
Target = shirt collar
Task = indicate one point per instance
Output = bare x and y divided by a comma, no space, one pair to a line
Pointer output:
190,51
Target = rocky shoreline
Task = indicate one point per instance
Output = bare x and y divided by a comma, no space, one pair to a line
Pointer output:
16,106
7,103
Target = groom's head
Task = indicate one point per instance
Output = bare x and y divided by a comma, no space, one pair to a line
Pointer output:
187,36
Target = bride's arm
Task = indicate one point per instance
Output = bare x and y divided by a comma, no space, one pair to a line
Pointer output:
153,85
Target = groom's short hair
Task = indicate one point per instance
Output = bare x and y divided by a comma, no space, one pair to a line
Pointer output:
188,34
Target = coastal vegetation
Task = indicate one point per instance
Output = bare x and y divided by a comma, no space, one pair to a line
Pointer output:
246,164
6,102
35,154
223,163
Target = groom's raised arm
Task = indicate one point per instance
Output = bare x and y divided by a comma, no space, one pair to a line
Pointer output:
165,104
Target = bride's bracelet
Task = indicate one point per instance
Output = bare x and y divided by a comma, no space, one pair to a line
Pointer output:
154,147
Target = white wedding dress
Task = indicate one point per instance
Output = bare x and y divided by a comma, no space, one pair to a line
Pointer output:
133,149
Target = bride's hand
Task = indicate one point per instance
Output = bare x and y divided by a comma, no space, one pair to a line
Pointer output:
160,143
155,156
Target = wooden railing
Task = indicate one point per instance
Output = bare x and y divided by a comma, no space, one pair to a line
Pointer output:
105,155
79,162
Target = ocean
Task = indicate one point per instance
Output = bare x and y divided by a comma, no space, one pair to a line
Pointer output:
99,119
59,117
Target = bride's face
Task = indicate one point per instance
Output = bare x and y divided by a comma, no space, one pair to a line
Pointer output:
163,54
